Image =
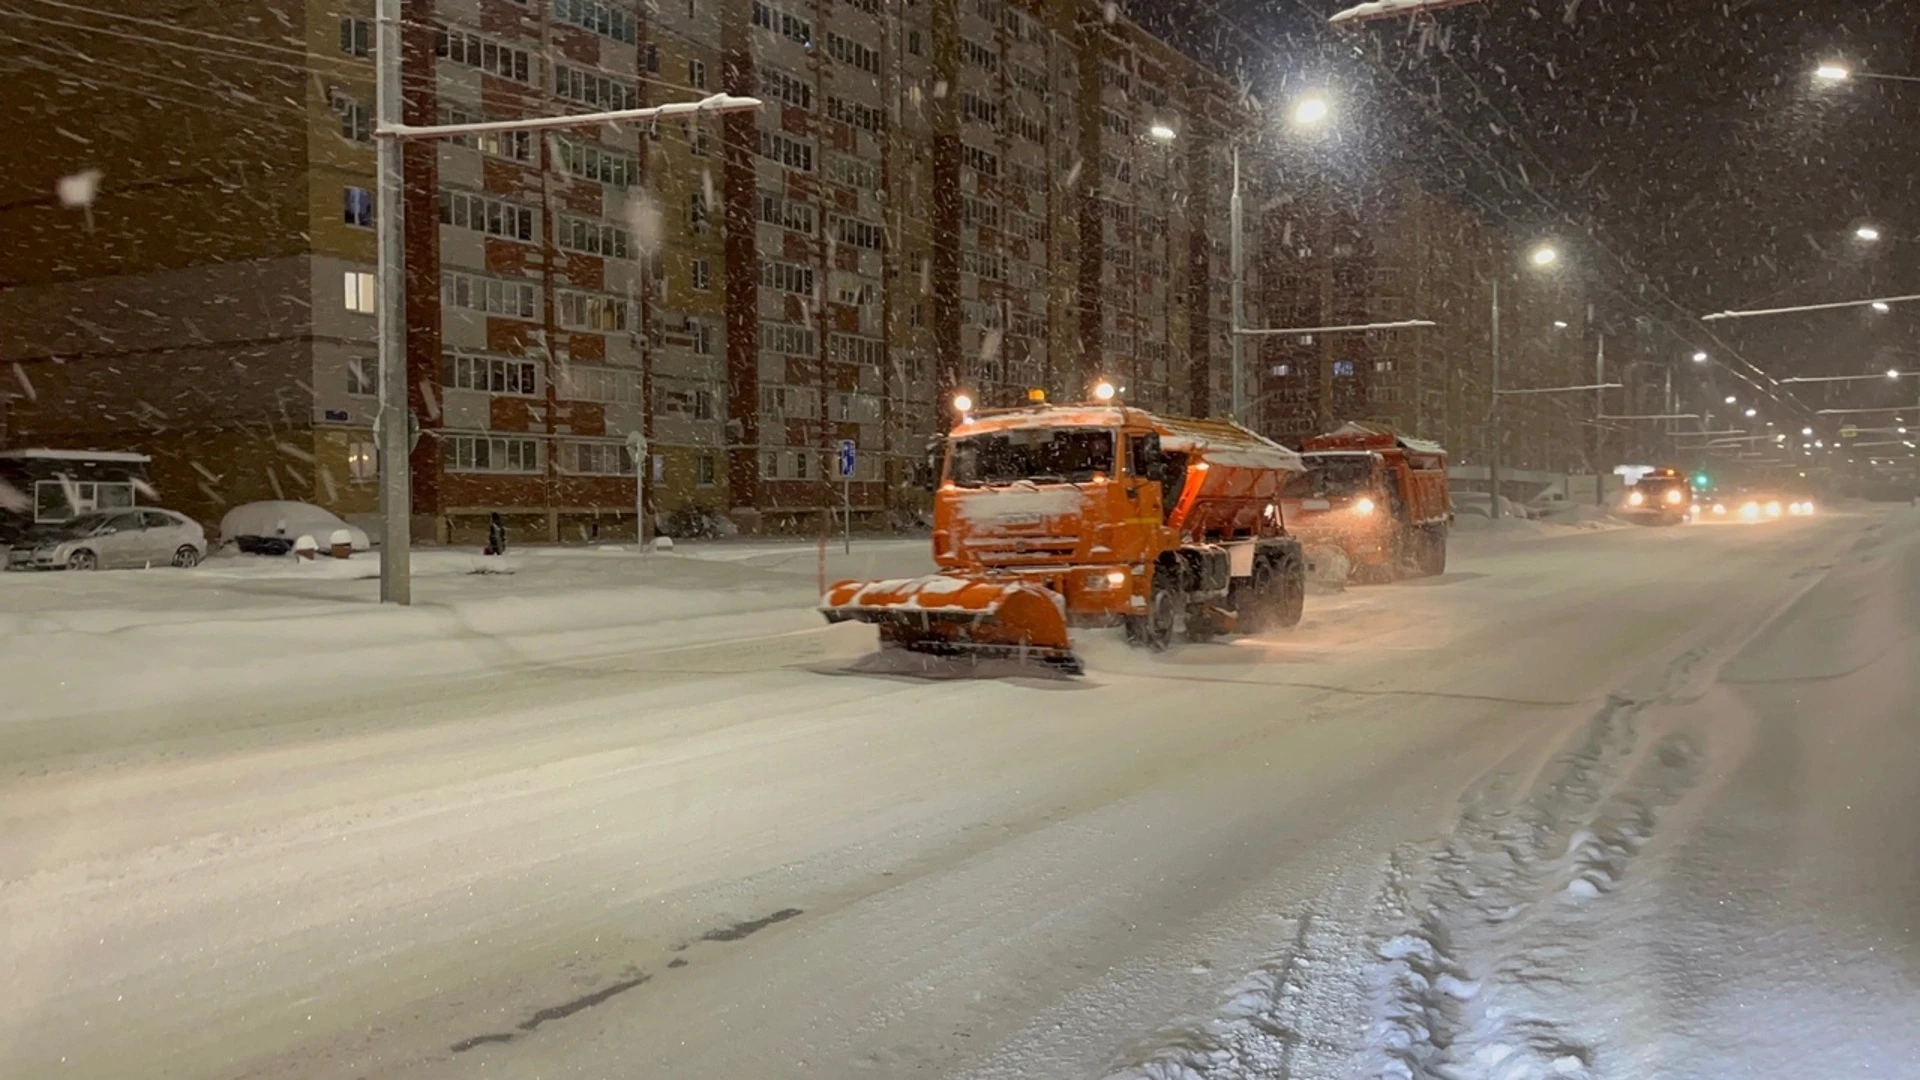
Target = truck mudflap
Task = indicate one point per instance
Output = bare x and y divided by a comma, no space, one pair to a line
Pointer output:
943,615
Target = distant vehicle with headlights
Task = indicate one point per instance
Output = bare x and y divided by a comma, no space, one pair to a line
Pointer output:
1661,497
1379,497
1757,504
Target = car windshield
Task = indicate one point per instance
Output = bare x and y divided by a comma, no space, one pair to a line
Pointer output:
1041,455
79,526
1331,475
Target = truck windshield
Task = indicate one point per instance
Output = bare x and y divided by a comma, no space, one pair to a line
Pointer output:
1344,474
1042,455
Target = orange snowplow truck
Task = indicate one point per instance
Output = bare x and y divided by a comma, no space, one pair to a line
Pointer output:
1095,515
1378,497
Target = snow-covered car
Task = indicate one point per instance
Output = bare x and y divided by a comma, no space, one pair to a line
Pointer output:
1478,504
139,537
1550,501
270,528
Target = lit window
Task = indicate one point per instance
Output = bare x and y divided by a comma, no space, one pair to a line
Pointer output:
358,209
359,292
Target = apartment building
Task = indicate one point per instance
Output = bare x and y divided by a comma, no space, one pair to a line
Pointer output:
936,195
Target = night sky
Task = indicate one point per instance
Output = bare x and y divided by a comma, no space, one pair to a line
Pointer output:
1679,149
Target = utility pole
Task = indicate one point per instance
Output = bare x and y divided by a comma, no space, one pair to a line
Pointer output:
1237,267
395,437
1493,413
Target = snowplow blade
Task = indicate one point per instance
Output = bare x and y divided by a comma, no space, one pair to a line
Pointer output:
949,616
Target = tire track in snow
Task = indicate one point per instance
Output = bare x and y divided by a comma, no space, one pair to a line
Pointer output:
1444,963
1483,935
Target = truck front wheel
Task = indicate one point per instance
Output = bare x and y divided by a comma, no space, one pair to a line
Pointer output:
1293,594
1154,629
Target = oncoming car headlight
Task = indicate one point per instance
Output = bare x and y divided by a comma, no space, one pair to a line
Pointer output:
1720,509
1635,498
1750,511
1773,509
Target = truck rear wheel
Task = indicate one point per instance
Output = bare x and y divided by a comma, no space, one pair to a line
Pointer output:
1293,594
1154,630
1436,560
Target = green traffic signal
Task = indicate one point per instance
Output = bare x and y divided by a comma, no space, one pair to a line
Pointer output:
1701,480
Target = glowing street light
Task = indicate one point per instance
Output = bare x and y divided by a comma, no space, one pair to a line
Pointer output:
1103,391
1311,110
1881,307
1867,233
1731,399
962,403
1893,373
1700,357
1545,255
1832,73
1753,412
1161,131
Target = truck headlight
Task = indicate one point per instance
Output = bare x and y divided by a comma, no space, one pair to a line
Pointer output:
1673,496
1363,505
1635,498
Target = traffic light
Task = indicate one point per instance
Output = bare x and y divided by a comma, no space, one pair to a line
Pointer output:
1701,480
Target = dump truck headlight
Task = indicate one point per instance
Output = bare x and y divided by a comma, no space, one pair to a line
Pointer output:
1363,505
1635,499
1673,496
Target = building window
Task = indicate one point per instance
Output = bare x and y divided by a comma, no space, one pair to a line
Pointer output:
603,19
492,374
356,37
595,238
697,74
777,85
592,162
702,274
857,233
704,337
596,459
491,454
1281,371
513,299
1343,368
913,42
360,293
356,120
801,466
688,402
786,212
864,117
767,17
363,463
495,217
363,376
705,472
358,209
591,311
980,56
848,51
981,161
512,145
593,88
788,339
853,172
697,212
475,51
791,152
1383,365
787,277
588,382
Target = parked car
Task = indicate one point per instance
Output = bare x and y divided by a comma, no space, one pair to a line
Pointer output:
1549,502
140,537
270,528
1478,503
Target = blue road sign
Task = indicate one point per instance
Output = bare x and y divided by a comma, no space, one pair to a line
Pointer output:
846,459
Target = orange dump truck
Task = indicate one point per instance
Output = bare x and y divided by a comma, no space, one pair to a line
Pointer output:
1379,498
1093,515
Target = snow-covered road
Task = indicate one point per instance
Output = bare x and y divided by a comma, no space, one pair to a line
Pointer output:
1569,810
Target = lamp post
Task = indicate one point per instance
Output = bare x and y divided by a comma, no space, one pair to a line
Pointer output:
1309,111
1542,257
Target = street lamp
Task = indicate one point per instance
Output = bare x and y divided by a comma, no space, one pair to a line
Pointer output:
1161,131
1881,307
1751,413
1731,399
1543,256
1867,233
1832,73
1308,112
1700,357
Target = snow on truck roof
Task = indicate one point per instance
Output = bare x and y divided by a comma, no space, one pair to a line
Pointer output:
1219,440
1355,429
